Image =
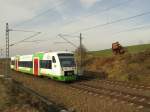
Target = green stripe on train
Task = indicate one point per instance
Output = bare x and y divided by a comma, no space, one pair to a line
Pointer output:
52,76
39,55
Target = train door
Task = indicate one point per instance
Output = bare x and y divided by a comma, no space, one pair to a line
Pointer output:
36,66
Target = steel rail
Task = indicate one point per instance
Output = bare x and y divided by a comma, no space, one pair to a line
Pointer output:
139,100
125,84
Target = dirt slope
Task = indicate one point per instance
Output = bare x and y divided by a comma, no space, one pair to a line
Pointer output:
127,67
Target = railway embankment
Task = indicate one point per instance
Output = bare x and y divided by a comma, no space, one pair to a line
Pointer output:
75,99
14,97
11,100
128,67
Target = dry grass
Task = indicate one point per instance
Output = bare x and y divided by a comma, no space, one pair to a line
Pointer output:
128,67
12,100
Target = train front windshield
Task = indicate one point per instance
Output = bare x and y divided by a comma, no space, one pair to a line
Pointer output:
67,60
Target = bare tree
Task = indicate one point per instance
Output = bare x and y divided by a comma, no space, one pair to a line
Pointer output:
81,53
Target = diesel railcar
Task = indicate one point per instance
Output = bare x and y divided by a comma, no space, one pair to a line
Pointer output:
59,66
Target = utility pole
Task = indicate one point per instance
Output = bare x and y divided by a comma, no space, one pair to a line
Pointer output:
7,65
81,54
7,52
80,71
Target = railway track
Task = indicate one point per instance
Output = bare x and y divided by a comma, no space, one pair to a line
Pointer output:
130,88
48,105
140,101
126,84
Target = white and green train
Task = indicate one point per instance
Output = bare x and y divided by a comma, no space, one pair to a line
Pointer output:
56,65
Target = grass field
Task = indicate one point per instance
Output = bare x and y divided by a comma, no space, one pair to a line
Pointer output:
130,49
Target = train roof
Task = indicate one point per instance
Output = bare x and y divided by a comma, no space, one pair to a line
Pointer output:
61,52
54,52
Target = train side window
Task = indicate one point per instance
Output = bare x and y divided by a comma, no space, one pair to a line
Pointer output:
25,64
46,64
53,59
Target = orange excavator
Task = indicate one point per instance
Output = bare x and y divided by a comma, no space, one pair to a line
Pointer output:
117,48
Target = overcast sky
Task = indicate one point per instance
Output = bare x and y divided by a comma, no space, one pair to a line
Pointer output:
52,17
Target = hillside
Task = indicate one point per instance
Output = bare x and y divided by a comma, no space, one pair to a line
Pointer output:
130,49
131,66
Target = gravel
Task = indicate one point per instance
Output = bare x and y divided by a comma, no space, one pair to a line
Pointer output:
63,95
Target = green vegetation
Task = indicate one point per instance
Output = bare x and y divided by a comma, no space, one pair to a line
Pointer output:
138,48
130,49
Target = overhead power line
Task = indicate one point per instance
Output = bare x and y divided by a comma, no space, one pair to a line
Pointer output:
61,3
18,30
98,12
24,40
60,42
34,41
23,30
67,35
41,14
132,29
112,22
61,36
